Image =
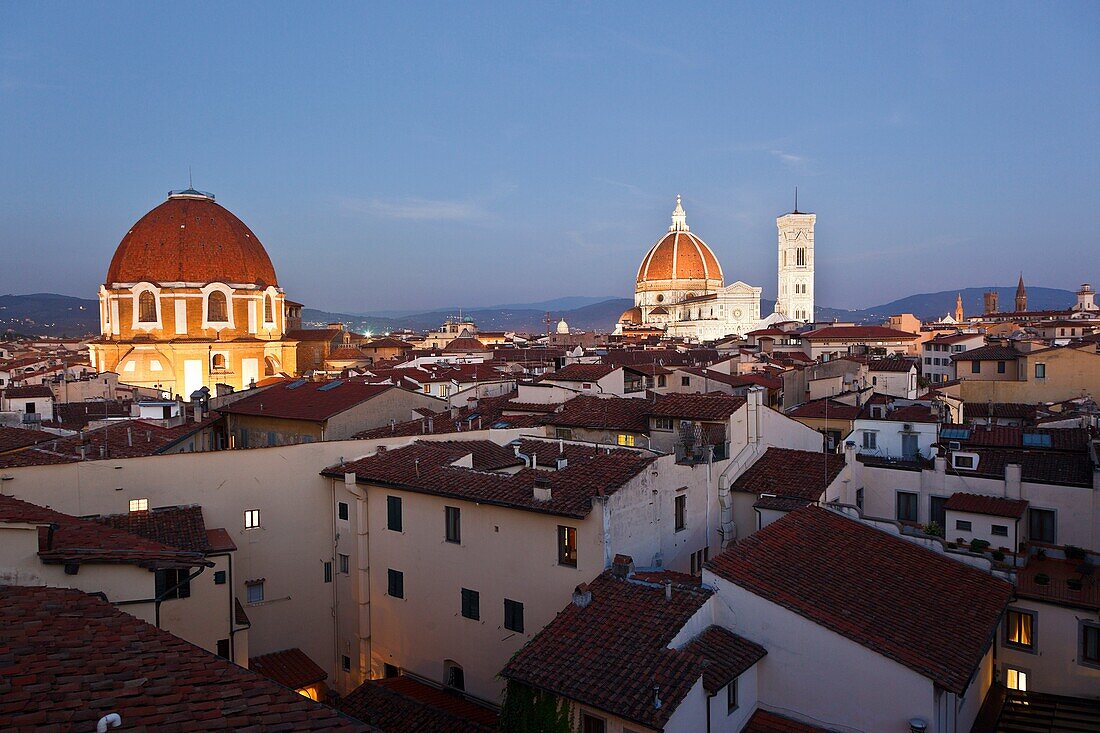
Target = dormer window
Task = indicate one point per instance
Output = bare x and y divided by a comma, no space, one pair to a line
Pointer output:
217,308
147,307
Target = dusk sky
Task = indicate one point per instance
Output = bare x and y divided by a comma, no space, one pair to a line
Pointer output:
407,156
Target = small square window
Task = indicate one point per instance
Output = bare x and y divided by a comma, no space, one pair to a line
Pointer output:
513,615
345,564
139,505
255,592
975,367
471,604
870,440
219,577
685,381
625,439
963,525
1040,371
393,513
342,510
395,583
252,519
1015,679
999,530
1001,367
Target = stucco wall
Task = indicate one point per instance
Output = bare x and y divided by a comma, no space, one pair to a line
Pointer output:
1052,667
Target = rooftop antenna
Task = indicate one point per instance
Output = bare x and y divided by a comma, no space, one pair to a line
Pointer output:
796,199
191,184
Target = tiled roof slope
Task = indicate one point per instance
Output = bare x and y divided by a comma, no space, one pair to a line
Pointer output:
175,526
16,438
289,667
1036,466
68,658
404,705
1005,436
609,413
993,352
796,474
764,721
127,439
580,373
488,413
426,467
611,653
696,406
926,611
825,408
725,656
80,540
994,506
858,333
314,401
890,364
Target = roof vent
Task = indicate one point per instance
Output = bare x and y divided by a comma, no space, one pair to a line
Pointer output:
582,596
191,193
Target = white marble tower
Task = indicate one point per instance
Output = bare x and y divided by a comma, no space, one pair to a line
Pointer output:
795,299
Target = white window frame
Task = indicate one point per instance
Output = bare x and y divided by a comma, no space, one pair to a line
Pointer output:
228,292
139,505
252,519
135,294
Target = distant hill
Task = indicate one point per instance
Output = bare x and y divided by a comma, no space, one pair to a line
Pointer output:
48,314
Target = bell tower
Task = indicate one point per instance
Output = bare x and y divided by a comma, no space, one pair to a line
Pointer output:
795,297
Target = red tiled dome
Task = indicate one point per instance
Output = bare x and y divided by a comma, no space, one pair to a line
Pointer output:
189,238
680,255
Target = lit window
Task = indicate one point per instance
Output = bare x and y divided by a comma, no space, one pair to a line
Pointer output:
1020,629
567,546
139,505
217,308
1015,679
252,519
147,307
626,439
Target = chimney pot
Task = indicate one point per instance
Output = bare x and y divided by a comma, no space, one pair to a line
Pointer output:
668,590
622,566
582,596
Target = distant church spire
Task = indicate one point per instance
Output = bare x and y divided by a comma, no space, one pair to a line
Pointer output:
959,308
1021,295
679,218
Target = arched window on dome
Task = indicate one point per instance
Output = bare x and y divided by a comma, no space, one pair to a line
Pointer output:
217,309
147,307
269,309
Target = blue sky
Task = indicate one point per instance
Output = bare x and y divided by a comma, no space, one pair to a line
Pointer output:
429,155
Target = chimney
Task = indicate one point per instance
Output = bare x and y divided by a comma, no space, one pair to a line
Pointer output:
668,590
349,478
622,566
582,596
1013,476
542,488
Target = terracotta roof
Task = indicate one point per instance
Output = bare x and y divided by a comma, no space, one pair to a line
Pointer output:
994,506
388,343
463,345
1036,466
16,438
611,413
580,373
289,667
75,415
696,406
1071,583
426,467
735,380
1003,410
791,474
825,408
70,658
489,413
30,390
305,400
891,364
611,653
123,439
987,353
679,255
1008,436
405,705
175,526
313,334
190,240
726,656
906,413
858,333
75,540
831,570
764,721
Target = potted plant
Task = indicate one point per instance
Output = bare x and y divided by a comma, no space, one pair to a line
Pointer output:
998,556
1041,553
1075,553
977,545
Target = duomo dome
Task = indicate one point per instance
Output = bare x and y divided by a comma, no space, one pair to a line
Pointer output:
680,265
